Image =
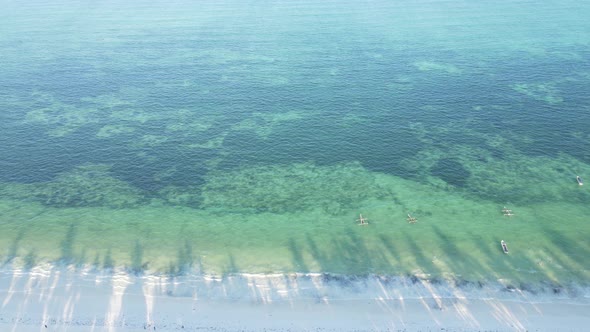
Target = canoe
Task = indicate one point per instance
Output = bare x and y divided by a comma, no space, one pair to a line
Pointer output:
504,246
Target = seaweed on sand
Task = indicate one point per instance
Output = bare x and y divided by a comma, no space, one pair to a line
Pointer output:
84,186
181,195
291,188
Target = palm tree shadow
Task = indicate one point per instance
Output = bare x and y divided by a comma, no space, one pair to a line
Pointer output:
355,253
298,260
326,262
184,260
29,260
13,249
108,262
67,246
137,264
386,242
231,267
577,254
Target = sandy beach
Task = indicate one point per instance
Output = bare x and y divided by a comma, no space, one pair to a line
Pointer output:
49,298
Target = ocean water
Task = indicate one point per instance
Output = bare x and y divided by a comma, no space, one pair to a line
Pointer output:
227,137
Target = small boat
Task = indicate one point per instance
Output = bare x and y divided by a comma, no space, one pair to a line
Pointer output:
363,221
579,179
504,246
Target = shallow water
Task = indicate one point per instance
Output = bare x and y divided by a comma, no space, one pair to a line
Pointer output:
248,137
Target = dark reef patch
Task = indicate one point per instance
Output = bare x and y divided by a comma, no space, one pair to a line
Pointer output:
451,171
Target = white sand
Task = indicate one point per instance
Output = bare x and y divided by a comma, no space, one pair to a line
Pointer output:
69,300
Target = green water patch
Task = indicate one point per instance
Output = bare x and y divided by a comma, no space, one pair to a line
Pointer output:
134,116
546,92
133,120
454,236
447,68
150,141
60,118
263,124
109,131
187,122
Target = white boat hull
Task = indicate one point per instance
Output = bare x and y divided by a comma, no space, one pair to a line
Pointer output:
504,246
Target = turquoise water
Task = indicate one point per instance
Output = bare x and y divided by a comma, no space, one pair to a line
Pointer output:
228,137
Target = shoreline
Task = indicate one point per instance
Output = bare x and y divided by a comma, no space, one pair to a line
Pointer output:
64,298
373,315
